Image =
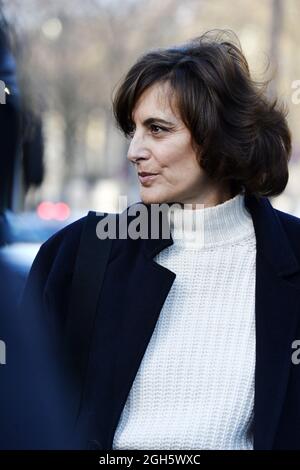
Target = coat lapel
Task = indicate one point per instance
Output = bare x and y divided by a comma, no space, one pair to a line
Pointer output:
140,287
134,291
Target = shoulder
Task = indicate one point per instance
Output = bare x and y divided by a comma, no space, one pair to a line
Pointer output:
291,226
62,246
69,234
289,221
54,261
57,255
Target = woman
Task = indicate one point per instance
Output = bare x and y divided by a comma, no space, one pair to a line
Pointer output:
192,340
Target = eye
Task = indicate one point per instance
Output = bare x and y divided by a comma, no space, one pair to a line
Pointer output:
154,128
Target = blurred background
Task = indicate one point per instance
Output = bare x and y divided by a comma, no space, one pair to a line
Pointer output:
61,154
69,57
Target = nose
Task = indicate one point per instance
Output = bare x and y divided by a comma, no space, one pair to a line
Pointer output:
137,150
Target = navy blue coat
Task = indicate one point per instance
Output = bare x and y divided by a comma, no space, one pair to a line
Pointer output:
134,290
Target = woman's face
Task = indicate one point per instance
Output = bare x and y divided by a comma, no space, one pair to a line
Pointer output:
161,144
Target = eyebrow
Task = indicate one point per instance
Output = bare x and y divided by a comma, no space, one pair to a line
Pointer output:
152,120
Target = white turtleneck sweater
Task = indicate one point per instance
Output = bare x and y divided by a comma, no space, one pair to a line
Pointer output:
194,388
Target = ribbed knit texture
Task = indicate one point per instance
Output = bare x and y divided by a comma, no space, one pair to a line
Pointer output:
194,388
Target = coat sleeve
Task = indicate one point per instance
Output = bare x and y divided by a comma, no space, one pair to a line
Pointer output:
42,409
46,293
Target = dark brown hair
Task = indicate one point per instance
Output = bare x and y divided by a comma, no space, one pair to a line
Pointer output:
240,135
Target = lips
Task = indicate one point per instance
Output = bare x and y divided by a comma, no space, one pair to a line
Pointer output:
146,178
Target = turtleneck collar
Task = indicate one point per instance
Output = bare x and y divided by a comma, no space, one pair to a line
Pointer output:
211,226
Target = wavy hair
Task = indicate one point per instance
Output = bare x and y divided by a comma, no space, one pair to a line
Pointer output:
239,135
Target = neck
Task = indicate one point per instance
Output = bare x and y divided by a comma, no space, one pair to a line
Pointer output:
208,198
210,226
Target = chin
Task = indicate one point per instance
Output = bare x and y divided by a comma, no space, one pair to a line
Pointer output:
152,198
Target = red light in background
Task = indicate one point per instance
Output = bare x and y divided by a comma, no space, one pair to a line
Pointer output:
62,211
45,210
49,210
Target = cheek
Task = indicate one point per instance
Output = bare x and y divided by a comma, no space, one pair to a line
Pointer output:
170,158
185,169
178,162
